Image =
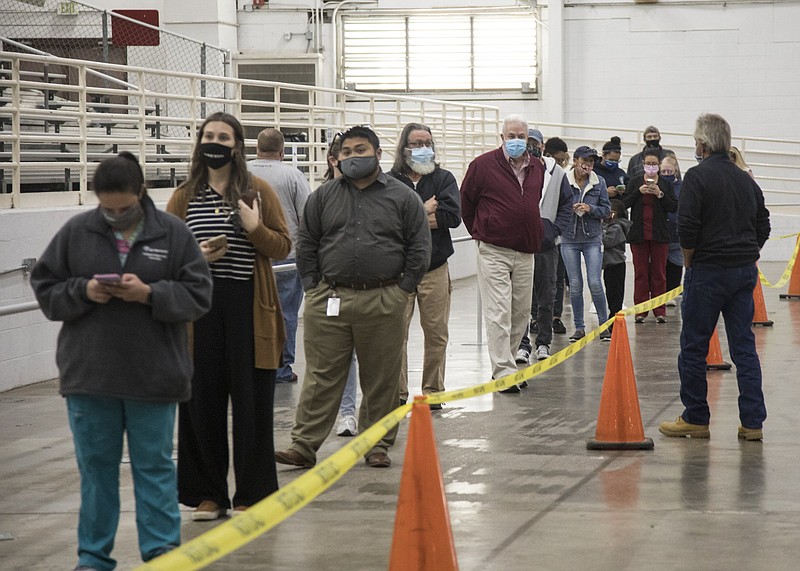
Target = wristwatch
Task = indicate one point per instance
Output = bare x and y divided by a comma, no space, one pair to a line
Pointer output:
661,194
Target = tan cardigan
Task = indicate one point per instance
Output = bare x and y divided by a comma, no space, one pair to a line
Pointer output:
271,240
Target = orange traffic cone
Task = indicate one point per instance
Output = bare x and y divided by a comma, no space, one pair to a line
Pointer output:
423,540
794,281
619,422
759,307
714,359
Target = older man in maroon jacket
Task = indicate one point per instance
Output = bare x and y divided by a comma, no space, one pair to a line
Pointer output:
500,207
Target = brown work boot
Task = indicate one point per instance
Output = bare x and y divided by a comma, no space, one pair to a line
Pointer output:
293,458
750,433
680,427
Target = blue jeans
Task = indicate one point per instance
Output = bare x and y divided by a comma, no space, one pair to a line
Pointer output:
348,405
593,256
290,292
98,425
709,290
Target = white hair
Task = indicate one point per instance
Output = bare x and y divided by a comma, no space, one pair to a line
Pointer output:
515,119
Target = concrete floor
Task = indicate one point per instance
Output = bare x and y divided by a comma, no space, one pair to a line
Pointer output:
523,490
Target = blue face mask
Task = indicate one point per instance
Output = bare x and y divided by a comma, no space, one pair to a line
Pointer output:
422,155
515,147
612,165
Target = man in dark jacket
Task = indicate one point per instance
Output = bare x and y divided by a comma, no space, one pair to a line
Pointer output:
500,206
415,165
722,226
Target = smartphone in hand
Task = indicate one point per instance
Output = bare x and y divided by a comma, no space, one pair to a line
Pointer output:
217,242
108,279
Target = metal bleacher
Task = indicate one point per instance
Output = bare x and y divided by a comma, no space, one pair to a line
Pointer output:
56,126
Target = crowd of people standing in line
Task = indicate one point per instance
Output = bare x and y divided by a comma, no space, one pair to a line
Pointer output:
207,323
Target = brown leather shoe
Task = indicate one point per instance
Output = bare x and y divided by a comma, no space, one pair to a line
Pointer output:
378,460
293,458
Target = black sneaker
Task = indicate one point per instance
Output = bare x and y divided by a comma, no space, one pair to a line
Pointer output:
558,327
534,327
578,335
513,389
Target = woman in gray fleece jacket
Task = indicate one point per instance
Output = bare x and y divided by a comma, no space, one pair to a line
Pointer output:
123,352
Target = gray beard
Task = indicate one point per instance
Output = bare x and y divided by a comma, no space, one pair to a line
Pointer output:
418,168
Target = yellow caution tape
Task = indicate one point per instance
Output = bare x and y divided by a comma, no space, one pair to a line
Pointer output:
787,273
269,512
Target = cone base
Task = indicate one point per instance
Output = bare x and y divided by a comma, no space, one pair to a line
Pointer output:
646,444
790,296
719,367
764,323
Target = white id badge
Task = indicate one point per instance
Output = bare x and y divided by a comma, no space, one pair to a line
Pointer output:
333,306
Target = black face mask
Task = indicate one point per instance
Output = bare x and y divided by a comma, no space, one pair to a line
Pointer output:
535,151
653,144
215,156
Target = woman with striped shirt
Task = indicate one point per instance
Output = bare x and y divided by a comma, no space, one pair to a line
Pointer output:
237,345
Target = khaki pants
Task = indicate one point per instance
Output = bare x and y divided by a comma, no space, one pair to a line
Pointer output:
505,279
433,296
370,322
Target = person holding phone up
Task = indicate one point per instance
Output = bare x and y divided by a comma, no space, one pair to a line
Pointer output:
125,279
650,197
238,344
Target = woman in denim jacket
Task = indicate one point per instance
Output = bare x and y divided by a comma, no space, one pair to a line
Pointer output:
585,236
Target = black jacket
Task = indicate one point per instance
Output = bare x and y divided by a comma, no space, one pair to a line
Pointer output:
633,199
442,184
722,216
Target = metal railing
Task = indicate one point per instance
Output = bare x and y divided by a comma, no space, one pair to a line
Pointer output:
58,145
80,30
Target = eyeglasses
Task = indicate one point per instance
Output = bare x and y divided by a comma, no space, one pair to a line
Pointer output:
419,144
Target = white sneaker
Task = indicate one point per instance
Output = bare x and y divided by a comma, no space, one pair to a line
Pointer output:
348,426
523,356
542,352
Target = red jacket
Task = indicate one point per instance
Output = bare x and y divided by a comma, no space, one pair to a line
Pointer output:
494,207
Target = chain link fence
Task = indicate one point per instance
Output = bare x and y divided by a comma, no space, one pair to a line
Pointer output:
77,30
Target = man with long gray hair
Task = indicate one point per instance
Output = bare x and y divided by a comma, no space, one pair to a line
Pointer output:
416,166
722,226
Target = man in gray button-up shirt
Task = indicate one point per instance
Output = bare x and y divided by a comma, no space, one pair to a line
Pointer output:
364,245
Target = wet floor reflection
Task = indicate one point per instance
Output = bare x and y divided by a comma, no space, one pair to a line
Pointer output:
694,474
752,470
621,485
